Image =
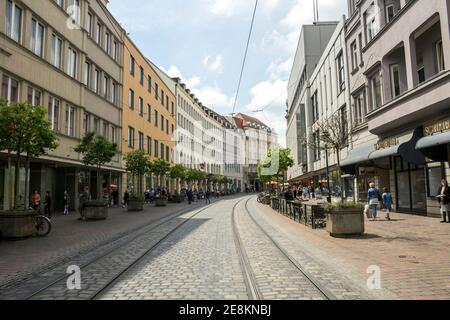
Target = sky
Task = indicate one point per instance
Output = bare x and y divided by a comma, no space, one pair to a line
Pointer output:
203,43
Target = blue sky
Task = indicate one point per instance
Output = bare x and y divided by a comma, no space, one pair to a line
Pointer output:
203,42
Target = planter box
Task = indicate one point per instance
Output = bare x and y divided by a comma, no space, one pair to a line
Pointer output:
345,222
17,224
95,210
135,205
161,202
178,198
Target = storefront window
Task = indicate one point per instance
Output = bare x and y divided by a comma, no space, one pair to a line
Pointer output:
435,175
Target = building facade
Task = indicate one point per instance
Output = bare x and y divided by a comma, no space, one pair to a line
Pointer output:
67,57
399,58
149,111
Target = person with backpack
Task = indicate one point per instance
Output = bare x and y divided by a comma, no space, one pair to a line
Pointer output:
387,202
373,199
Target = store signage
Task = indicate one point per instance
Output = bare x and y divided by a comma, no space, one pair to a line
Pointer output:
386,143
437,128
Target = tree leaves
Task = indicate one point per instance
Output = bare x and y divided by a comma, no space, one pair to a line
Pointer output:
96,150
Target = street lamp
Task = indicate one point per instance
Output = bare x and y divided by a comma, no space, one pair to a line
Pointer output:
326,136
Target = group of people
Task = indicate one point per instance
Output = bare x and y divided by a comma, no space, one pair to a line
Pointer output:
36,203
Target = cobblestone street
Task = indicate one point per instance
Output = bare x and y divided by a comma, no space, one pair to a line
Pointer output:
224,251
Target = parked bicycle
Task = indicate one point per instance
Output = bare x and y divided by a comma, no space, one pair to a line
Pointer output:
42,223
261,197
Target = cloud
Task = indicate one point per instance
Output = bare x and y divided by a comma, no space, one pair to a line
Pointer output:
228,8
213,97
276,42
280,69
174,72
214,65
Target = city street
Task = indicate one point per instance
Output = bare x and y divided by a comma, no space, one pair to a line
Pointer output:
233,249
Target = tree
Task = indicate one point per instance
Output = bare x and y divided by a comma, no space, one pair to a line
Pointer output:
25,130
333,134
178,173
277,162
160,168
138,164
195,175
97,151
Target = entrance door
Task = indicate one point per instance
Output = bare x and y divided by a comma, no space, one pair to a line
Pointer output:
411,187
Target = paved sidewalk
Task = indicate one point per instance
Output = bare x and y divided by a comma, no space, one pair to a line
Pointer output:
413,252
70,237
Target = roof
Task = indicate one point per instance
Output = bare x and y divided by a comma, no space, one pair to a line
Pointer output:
246,121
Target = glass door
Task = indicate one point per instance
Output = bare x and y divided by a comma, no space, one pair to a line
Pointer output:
411,187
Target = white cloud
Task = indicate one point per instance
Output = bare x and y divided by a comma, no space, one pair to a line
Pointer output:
280,69
285,43
230,7
213,97
214,65
174,72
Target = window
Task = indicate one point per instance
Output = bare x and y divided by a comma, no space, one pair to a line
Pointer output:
372,27
96,125
354,51
361,58
395,80
72,63
141,141
167,126
141,76
315,108
74,7
86,122
149,113
56,51
105,129
173,129
98,35
167,153
360,108
107,42
87,74
89,24
149,145
70,121
114,93
115,50
173,109
130,137
34,96
162,150
131,99
10,89
60,3
316,140
149,84
156,118
389,12
162,97
440,56
421,69
344,124
106,82
167,103
37,37
132,65
162,123
13,21
96,81
141,107
341,72
375,91
156,91
156,153
53,113
113,134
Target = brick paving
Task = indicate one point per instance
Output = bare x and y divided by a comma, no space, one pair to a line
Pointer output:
411,251
23,259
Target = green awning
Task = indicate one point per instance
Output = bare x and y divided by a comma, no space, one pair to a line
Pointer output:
358,155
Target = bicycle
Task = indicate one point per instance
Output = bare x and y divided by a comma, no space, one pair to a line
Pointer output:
43,224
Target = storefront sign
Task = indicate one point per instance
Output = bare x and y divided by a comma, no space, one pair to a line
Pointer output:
437,128
386,143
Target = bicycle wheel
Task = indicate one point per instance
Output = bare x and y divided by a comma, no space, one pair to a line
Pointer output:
43,226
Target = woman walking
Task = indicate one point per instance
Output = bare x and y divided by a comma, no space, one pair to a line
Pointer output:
373,199
444,201
66,203
387,203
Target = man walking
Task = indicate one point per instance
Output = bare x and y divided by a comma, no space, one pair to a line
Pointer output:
208,196
84,197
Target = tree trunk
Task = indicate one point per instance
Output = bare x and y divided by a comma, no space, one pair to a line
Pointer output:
27,188
10,183
99,184
341,182
16,180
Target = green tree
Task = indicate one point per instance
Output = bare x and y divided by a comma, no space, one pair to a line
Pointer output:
195,175
97,151
276,163
138,164
178,173
160,168
25,130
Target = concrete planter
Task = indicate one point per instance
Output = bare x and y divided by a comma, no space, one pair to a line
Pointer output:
345,222
161,202
135,205
95,210
17,224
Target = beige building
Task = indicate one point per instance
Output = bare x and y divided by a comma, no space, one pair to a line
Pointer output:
66,56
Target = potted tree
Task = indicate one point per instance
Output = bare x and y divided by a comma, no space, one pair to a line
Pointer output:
160,168
137,163
26,133
345,219
178,173
97,151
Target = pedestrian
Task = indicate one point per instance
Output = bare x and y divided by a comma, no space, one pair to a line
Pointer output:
66,200
126,197
373,199
36,201
115,196
84,197
444,201
190,196
387,203
208,196
48,205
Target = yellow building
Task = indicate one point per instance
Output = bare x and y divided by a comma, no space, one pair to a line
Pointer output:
149,110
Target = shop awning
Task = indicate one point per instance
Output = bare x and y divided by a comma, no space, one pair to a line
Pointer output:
378,154
358,155
433,141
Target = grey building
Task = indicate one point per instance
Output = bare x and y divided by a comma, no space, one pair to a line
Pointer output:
65,56
399,58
